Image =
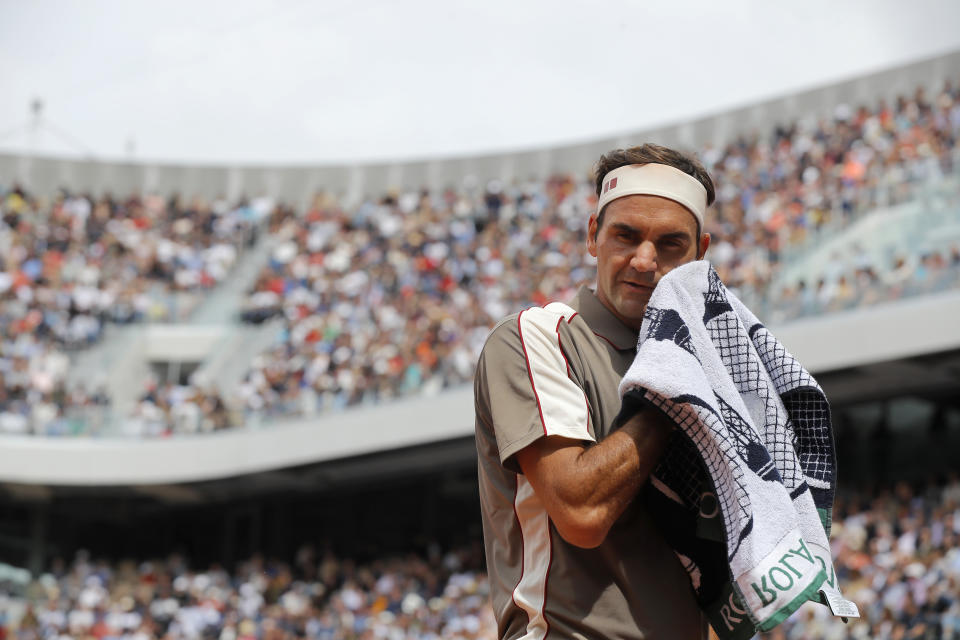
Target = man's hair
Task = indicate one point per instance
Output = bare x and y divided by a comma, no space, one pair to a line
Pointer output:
651,154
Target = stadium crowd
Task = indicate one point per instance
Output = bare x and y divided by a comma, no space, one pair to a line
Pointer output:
165,409
395,296
73,264
897,554
428,596
864,283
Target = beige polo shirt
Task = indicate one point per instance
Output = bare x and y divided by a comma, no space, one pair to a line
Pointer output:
554,370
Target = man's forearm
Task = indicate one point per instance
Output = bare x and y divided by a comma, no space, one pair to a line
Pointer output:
585,489
612,471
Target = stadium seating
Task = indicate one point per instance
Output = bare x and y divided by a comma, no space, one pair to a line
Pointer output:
395,296
897,553
73,264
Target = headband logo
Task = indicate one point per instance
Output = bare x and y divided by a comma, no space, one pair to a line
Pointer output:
611,184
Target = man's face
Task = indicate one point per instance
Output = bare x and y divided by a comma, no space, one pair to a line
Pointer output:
642,239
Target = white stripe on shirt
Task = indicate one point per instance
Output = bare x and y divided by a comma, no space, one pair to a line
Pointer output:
562,404
530,593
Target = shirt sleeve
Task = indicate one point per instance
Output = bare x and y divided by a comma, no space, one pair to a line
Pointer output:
523,386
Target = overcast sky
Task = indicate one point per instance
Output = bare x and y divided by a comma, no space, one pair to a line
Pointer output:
312,81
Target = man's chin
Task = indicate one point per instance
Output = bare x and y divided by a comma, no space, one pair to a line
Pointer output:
631,310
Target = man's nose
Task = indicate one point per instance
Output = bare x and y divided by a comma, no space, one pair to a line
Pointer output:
645,257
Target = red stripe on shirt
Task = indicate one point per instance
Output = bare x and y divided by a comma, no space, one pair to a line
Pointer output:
607,339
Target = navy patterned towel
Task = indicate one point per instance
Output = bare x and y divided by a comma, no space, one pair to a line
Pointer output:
744,491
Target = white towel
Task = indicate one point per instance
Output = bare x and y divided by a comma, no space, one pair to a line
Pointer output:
745,488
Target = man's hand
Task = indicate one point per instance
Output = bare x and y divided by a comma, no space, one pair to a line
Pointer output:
585,489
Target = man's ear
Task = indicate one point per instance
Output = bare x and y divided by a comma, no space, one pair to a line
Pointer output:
704,245
592,230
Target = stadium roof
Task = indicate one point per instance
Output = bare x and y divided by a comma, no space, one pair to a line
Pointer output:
307,82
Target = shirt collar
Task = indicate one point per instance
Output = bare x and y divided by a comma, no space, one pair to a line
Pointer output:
602,322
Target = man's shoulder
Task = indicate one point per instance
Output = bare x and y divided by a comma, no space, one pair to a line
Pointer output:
533,323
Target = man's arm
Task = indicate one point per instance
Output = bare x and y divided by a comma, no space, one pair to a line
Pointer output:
540,418
586,488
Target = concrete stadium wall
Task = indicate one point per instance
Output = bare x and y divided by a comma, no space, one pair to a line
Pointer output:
181,342
298,184
857,338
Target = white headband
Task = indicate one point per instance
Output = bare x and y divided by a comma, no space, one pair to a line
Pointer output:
655,180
